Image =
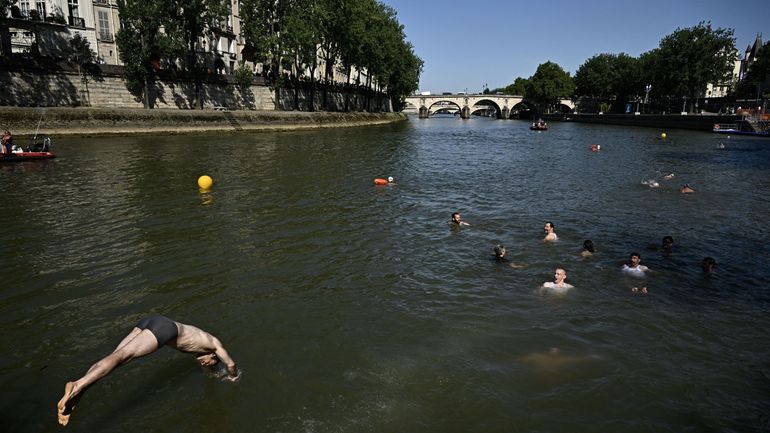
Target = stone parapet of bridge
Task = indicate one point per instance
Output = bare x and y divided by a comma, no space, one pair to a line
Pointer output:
467,104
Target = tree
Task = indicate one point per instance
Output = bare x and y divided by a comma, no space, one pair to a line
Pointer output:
300,36
688,59
549,83
80,52
141,43
608,76
518,87
261,22
188,22
595,77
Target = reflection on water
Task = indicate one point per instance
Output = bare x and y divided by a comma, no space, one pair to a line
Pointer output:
352,307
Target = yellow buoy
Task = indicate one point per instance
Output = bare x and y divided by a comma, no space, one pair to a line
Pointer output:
663,135
205,182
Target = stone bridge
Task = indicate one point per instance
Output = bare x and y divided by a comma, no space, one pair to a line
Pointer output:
504,105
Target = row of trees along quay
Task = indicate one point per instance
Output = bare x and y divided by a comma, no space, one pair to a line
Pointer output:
287,36
669,78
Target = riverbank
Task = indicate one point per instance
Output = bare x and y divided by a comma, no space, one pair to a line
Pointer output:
697,122
59,121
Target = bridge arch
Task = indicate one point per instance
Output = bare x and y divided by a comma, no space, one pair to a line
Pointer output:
442,104
483,104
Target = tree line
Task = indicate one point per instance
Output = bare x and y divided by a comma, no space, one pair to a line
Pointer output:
679,69
287,36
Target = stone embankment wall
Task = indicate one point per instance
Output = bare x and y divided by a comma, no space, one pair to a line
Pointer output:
67,89
60,85
84,121
335,101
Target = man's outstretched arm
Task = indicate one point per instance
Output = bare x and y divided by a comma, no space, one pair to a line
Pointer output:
232,368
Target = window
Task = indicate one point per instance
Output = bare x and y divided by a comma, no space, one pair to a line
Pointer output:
104,26
40,6
24,8
73,7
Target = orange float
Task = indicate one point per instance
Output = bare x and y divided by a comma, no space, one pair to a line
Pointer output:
379,181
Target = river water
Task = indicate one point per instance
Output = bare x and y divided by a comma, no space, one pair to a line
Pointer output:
356,308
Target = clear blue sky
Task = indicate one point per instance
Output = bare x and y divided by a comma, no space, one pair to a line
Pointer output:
470,43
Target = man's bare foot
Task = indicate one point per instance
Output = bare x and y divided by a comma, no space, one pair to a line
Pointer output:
66,405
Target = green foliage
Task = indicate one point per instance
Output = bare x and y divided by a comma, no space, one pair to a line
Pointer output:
140,42
80,50
609,76
549,83
360,34
688,59
243,75
188,21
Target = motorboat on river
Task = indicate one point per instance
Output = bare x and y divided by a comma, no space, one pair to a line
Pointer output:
540,125
736,129
33,152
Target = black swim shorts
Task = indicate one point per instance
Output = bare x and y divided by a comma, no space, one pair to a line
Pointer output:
163,328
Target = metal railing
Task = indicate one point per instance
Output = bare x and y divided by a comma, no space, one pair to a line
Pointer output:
77,22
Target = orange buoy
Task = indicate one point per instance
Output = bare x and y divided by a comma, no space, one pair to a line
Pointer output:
379,181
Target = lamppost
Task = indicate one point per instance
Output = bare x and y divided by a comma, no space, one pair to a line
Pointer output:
684,104
647,89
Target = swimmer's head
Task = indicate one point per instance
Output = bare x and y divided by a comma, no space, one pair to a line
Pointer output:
635,259
390,179
207,359
708,265
668,242
500,251
588,245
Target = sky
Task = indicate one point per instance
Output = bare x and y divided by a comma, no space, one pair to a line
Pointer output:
469,44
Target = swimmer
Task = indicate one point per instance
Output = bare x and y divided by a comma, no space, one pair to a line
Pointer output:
391,180
652,183
667,244
149,335
721,145
558,285
588,248
500,256
708,264
668,176
550,235
686,189
500,252
642,291
633,267
456,221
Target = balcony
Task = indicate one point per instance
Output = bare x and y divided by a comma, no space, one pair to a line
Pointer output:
106,37
77,22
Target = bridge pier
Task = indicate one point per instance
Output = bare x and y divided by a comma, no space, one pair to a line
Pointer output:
504,113
423,112
465,113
